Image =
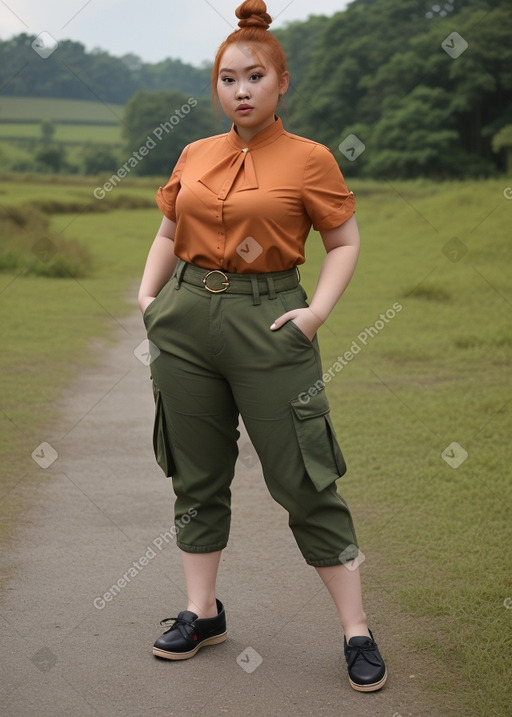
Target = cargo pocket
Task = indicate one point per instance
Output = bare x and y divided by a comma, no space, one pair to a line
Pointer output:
161,445
321,453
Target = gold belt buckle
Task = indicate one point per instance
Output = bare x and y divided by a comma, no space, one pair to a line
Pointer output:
224,284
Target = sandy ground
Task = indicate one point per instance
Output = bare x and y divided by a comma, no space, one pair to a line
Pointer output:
103,509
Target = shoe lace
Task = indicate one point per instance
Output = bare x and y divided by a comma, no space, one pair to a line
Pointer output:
357,651
178,623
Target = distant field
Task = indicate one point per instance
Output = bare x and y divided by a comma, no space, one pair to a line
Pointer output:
59,110
64,133
70,191
78,123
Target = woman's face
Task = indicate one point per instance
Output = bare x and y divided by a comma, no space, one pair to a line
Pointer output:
249,89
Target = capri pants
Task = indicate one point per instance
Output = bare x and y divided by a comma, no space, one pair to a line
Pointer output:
214,358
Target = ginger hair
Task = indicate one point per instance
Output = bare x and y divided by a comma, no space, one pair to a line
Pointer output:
254,22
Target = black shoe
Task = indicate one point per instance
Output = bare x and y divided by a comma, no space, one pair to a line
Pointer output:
366,669
188,633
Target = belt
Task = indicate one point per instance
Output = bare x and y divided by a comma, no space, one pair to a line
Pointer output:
218,282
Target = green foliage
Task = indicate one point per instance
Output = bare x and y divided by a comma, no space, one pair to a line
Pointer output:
503,140
27,246
380,69
97,159
164,122
298,40
417,137
47,131
72,72
380,65
68,72
60,144
174,75
51,158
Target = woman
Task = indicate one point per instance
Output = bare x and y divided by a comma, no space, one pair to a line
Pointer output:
235,336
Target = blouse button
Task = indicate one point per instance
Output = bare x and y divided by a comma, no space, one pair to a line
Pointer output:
246,149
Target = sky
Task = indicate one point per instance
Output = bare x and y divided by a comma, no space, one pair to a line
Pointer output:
189,30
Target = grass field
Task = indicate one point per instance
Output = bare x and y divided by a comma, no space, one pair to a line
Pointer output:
78,124
64,133
419,394
35,109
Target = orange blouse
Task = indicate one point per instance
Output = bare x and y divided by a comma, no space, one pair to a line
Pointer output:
249,208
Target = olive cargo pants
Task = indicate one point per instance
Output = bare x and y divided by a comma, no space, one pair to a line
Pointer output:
215,359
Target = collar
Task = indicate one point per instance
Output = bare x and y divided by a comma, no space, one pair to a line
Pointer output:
266,136
220,178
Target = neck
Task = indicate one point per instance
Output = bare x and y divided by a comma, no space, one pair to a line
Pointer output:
248,133
245,134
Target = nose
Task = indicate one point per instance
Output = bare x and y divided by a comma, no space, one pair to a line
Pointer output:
242,92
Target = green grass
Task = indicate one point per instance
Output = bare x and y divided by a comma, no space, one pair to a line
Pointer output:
41,348
35,109
14,152
437,538
60,194
438,373
64,133
78,125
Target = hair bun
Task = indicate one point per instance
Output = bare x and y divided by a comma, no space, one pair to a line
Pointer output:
254,21
253,13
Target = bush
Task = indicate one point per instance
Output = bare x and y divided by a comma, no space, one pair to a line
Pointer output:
52,157
97,159
28,247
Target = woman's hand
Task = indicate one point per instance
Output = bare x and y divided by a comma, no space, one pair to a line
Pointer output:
306,320
342,247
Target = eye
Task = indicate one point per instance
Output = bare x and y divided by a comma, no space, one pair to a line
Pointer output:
227,80
256,76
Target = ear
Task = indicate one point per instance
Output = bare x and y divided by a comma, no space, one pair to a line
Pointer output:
284,83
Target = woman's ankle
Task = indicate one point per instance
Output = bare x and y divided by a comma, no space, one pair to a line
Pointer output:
356,630
203,609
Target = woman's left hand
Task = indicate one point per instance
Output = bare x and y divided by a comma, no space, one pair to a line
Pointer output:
306,320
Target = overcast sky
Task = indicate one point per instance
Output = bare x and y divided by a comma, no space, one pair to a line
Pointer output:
190,30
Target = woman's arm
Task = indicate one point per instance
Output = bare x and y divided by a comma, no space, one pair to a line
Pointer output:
342,246
159,265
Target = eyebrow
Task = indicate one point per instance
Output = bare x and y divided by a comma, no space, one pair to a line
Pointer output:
246,69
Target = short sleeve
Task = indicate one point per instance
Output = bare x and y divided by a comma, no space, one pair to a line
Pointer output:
166,196
326,197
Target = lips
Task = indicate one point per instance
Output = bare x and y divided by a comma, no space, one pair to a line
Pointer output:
244,108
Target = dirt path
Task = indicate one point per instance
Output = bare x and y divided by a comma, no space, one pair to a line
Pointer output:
101,511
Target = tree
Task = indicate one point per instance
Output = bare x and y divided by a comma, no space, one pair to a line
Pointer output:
164,122
98,159
381,65
347,53
417,138
52,159
47,131
503,141
72,72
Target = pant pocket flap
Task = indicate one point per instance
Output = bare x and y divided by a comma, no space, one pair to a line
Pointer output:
310,406
321,453
161,444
